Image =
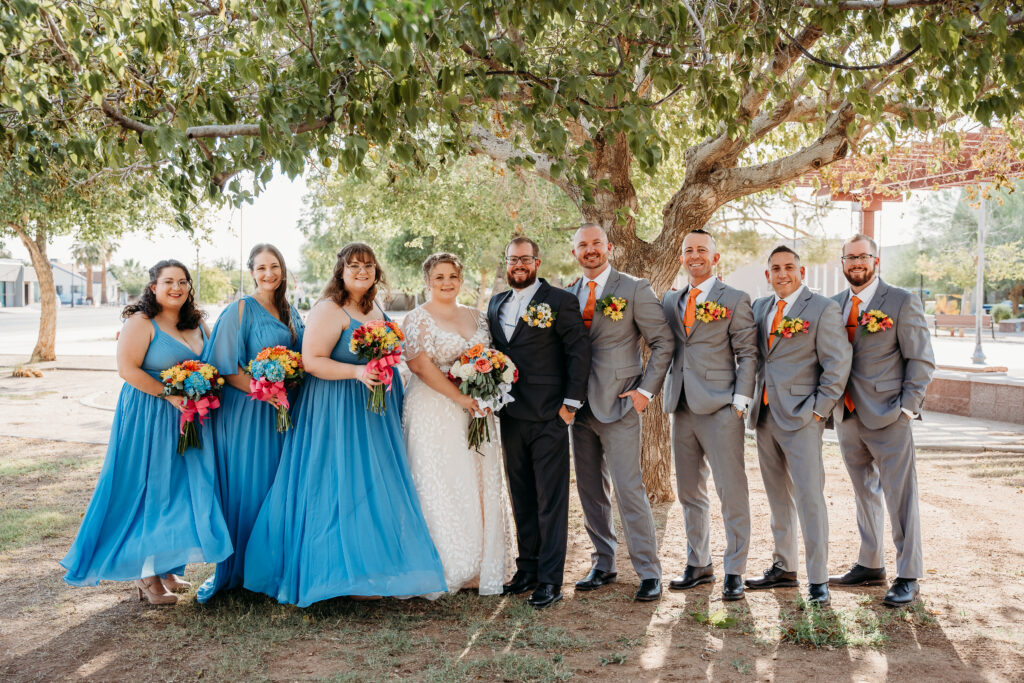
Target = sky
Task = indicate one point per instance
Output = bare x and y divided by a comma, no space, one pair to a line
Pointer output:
275,214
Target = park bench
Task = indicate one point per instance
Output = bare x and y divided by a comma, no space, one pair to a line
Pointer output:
955,323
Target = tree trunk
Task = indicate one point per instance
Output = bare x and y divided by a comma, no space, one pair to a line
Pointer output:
103,279
89,300
1016,293
46,340
481,294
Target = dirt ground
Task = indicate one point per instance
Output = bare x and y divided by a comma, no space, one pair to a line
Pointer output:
969,626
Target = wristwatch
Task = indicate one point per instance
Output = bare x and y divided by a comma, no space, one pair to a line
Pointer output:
571,409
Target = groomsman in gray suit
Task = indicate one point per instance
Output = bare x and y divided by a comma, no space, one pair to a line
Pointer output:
805,362
619,310
892,366
707,391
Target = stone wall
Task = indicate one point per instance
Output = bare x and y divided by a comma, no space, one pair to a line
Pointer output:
990,396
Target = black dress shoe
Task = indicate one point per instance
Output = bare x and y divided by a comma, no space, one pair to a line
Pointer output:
859,575
545,595
692,576
521,582
902,593
595,579
819,595
776,577
649,591
732,589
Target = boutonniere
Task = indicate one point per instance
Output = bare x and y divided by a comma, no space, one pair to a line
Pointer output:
710,311
611,306
539,315
875,321
790,326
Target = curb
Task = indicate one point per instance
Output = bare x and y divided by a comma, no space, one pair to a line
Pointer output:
91,401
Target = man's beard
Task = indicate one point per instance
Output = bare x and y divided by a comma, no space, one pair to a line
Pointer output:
530,279
862,278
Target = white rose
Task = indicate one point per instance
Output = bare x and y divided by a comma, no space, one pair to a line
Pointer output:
508,376
466,371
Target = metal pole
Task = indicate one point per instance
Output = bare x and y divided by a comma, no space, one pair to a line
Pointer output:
982,213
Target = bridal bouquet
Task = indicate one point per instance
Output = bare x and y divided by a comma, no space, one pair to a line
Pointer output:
274,371
486,375
379,342
200,384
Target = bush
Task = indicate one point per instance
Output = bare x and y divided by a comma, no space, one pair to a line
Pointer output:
1001,312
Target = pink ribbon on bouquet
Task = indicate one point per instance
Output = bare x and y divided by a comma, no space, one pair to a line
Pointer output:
262,390
383,367
202,408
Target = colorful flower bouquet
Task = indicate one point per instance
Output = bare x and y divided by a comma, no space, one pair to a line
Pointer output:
275,371
790,326
200,384
612,306
379,342
875,321
710,311
539,315
486,375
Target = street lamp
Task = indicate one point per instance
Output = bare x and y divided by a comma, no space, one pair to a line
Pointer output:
982,215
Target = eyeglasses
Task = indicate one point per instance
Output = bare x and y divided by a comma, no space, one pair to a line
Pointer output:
854,258
361,267
525,260
182,284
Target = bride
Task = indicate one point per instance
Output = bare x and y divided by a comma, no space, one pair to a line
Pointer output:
461,491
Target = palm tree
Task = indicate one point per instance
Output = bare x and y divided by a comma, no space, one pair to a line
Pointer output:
86,254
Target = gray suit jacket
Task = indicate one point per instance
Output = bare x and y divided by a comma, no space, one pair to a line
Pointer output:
718,359
616,365
806,373
891,368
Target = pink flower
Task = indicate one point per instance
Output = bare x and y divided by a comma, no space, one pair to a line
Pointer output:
483,365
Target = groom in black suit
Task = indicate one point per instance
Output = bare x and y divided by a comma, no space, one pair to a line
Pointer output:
540,328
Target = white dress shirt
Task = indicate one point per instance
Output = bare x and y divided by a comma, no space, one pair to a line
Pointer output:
739,401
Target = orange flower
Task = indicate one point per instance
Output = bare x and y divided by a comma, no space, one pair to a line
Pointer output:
475,351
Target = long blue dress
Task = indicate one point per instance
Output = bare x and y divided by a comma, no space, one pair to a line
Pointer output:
245,435
153,510
342,517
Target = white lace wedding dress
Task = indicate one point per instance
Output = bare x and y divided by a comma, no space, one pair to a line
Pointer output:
462,492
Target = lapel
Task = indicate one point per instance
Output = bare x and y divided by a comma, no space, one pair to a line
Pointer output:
672,315
714,295
609,289
794,312
540,296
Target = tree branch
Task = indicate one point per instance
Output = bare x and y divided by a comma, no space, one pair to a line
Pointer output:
487,143
210,131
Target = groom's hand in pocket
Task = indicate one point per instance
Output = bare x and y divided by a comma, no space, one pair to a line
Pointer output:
566,414
639,400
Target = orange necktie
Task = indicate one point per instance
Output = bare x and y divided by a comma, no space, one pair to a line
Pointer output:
851,329
588,309
690,314
771,339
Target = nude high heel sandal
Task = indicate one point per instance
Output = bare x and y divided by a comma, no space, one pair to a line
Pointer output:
154,592
175,583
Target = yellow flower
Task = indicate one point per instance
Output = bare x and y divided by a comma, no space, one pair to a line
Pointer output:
220,380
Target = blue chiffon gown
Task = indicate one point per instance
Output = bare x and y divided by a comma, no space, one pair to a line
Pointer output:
342,517
153,511
245,437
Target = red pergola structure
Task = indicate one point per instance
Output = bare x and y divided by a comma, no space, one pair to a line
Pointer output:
983,156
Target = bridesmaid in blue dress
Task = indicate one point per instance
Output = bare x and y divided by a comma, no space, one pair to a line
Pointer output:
245,435
342,517
153,510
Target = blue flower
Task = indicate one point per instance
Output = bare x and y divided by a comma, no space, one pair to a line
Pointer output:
196,385
273,371
257,368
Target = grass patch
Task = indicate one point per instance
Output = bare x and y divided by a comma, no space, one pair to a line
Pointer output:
815,627
19,528
19,468
613,658
508,666
720,618
742,666
28,395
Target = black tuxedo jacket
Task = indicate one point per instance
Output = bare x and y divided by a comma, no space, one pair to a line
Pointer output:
553,362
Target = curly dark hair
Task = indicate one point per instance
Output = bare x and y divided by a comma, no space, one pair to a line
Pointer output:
189,316
284,311
335,289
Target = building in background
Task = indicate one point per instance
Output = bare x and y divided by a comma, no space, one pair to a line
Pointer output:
18,284
70,285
